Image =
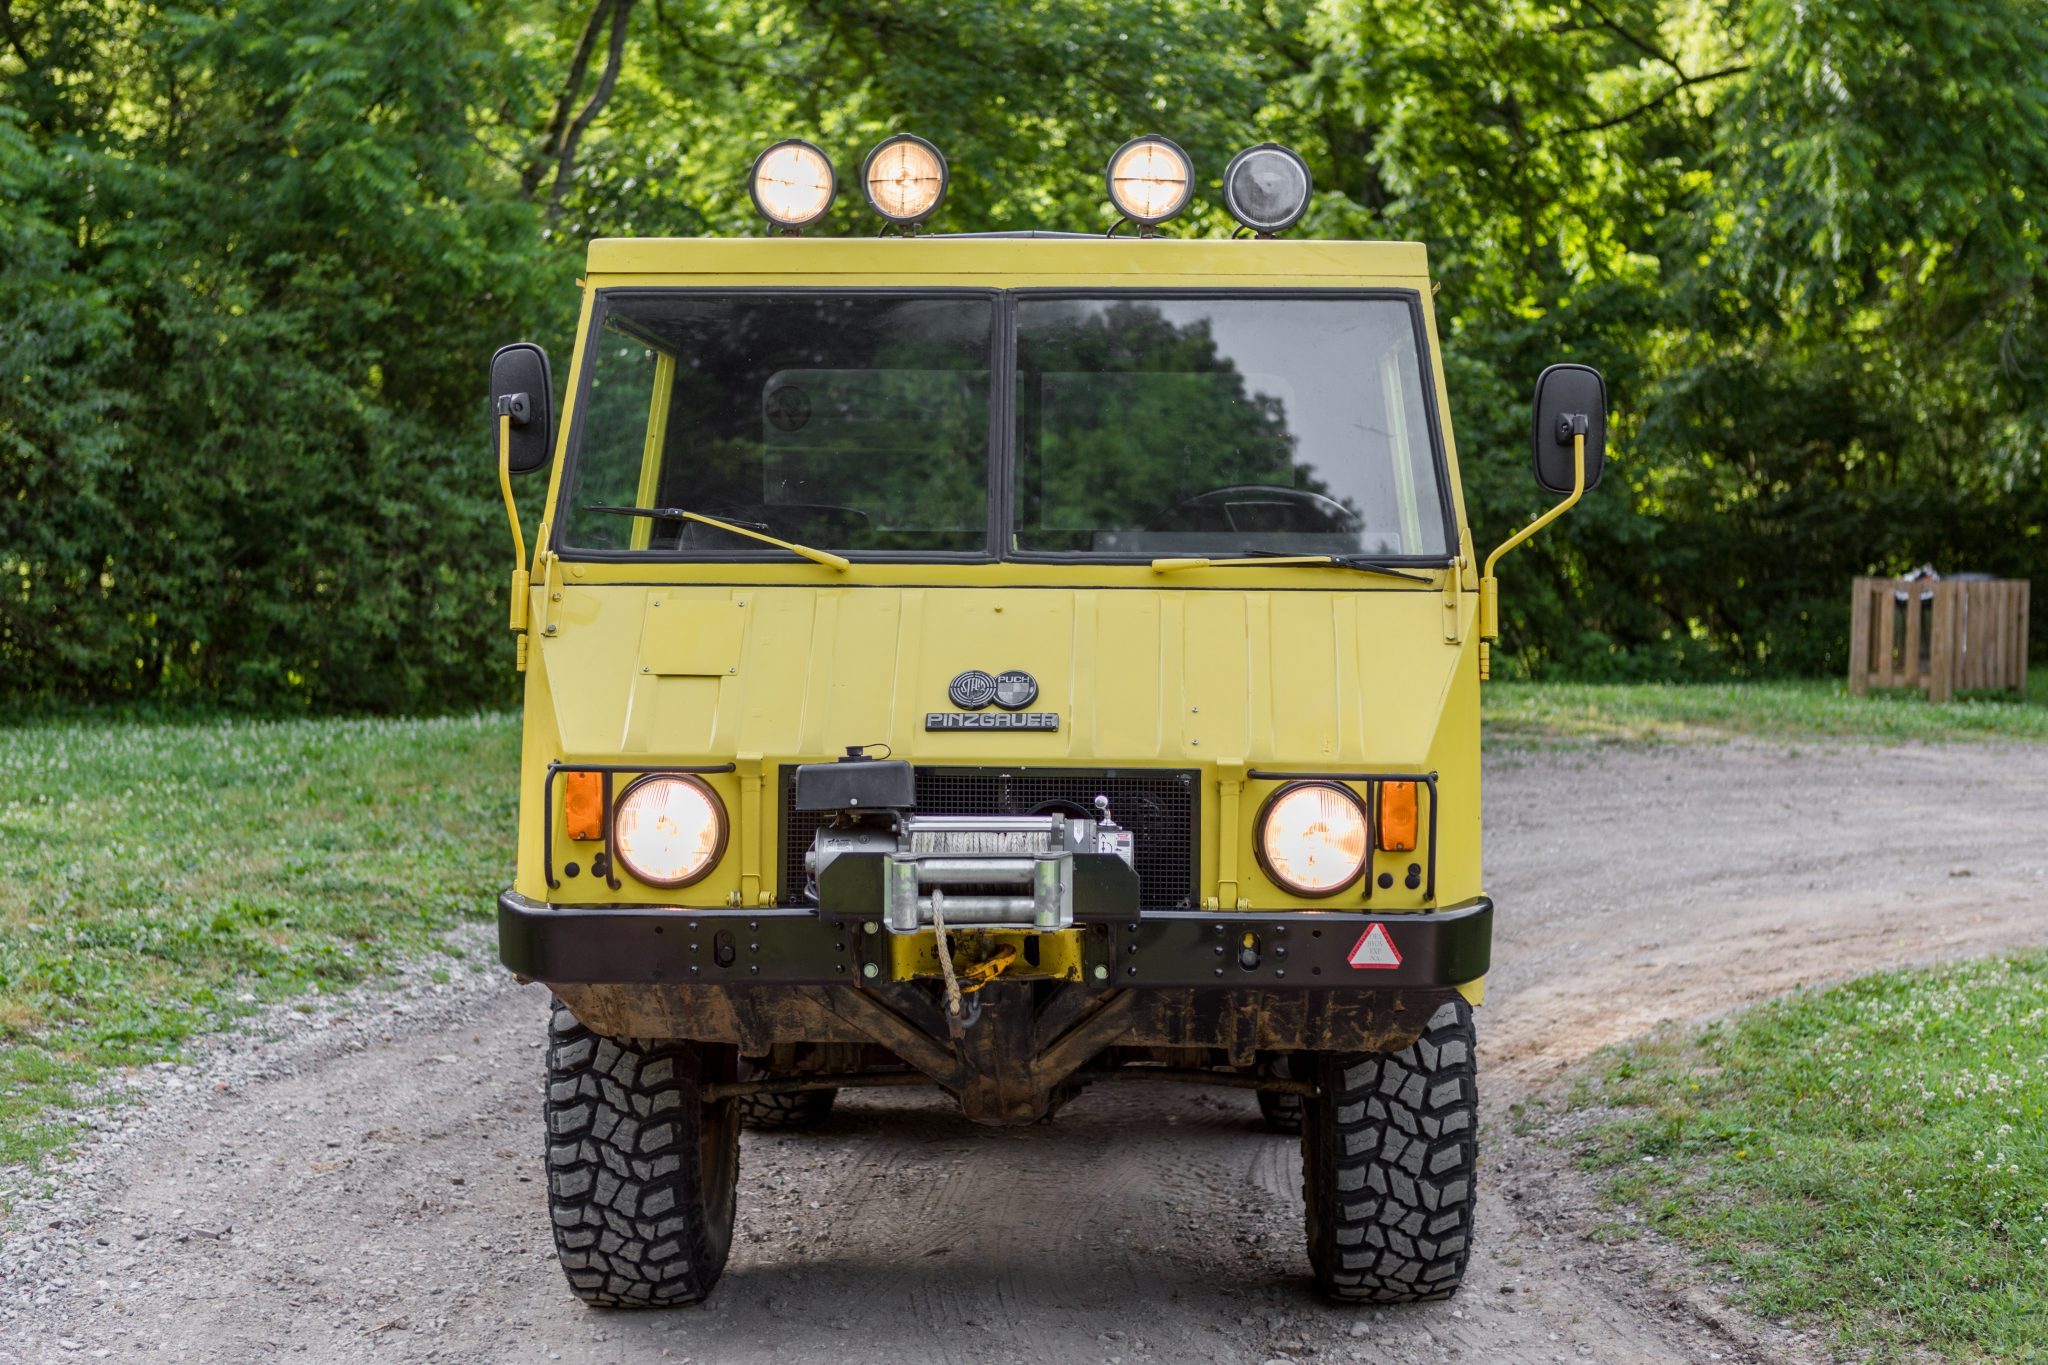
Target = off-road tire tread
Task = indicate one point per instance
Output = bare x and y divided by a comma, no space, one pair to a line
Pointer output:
1389,1159
635,1224
798,1109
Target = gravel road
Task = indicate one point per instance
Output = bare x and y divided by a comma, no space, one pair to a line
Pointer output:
363,1184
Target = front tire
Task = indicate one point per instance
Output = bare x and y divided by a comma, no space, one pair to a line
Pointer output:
642,1173
1389,1159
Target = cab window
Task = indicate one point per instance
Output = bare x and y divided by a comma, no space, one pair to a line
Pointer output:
854,422
1224,425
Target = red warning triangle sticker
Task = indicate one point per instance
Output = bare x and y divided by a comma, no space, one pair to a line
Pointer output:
1375,948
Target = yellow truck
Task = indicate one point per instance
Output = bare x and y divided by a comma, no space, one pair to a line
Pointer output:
1006,663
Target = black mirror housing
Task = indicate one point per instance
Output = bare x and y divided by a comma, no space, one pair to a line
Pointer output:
1570,400
522,388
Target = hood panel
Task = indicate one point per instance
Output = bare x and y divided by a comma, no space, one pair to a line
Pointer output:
1356,678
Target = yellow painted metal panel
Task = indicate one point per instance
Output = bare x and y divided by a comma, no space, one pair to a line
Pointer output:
1360,680
1127,706
1060,954
1299,650
692,637
656,443
1219,670
1185,261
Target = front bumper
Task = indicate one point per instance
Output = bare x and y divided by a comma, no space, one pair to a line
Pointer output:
1279,950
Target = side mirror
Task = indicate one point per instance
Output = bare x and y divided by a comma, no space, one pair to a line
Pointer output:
1571,400
522,388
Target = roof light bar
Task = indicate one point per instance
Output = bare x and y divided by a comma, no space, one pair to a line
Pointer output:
904,179
1267,188
1150,180
792,184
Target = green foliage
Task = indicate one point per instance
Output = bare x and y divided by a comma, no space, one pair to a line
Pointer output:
1866,1158
157,880
243,462
257,252
1784,708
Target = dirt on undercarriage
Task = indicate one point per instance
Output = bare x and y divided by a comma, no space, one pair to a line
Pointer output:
370,1190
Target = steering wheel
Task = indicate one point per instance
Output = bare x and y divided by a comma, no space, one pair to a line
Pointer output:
1252,507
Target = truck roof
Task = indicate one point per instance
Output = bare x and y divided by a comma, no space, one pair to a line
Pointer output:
1013,256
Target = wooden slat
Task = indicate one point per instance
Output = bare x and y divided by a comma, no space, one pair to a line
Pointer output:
1994,634
2024,618
2008,598
1886,674
1987,635
1909,656
1941,653
1969,636
1859,637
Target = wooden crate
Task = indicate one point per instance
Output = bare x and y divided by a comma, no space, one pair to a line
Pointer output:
1942,636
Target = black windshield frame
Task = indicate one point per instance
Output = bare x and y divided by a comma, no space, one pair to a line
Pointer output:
1002,435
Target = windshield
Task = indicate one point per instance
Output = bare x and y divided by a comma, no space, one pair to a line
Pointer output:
856,422
1195,426
861,423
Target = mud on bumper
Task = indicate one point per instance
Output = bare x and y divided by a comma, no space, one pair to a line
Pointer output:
1239,951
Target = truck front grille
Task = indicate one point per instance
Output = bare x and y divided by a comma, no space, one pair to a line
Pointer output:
1160,806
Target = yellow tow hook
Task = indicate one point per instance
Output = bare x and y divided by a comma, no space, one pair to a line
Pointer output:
980,974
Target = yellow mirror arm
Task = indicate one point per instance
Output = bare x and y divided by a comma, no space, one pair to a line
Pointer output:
1489,586
519,573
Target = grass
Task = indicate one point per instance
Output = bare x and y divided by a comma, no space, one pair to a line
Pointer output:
1798,709
1867,1159
157,880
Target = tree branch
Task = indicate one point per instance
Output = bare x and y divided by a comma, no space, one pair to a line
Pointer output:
680,36
565,161
14,39
1641,45
558,121
1647,105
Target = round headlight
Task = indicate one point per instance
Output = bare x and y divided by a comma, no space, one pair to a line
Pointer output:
1266,188
793,184
669,830
904,178
1312,838
1150,180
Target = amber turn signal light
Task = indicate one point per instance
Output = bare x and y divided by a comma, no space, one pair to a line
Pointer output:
583,804
1397,817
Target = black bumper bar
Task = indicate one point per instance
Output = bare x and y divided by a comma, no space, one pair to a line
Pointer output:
1319,949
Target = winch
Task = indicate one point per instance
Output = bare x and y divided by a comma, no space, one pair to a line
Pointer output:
988,871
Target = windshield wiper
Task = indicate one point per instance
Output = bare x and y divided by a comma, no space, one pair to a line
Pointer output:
1275,558
747,529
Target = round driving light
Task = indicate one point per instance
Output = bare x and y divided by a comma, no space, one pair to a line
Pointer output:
1150,180
904,178
792,184
1266,188
1311,838
669,830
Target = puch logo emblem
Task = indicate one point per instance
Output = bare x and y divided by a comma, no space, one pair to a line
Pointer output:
1011,690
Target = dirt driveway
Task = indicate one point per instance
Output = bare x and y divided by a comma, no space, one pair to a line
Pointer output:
377,1198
